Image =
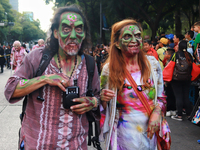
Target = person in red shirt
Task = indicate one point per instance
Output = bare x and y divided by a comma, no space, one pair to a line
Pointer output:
148,49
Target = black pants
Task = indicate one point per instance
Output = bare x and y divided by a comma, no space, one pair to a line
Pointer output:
181,91
171,100
2,65
8,61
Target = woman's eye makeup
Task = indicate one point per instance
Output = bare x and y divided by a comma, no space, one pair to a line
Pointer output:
138,35
127,36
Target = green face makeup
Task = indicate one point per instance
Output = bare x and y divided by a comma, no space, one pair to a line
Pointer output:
131,39
71,33
131,34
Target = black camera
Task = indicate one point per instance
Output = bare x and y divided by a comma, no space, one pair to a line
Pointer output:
68,96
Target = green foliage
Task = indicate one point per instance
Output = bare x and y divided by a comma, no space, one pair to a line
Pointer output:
154,15
24,29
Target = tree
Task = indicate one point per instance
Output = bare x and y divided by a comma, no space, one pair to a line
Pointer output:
191,10
31,29
151,11
5,15
158,15
25,29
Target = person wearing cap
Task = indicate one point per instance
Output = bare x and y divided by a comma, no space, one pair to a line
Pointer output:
170,40
161,51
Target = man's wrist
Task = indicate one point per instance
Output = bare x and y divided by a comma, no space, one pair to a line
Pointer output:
96,103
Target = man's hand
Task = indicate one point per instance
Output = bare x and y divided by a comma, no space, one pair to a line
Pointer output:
87,103
26,86
57,80
154,122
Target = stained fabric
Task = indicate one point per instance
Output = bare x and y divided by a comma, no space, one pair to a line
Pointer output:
46,124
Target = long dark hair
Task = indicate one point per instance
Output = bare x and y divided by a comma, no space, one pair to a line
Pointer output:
182,46
180,36
52,43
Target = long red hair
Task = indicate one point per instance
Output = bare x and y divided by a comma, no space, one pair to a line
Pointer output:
116,59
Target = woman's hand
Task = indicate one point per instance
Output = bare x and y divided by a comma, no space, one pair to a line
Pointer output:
154,122
86,104
107,95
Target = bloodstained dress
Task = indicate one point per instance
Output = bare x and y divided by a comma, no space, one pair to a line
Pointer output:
18,57
46,124
124,122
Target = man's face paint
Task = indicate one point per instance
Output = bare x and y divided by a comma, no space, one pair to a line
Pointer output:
71,33
131,40
23,82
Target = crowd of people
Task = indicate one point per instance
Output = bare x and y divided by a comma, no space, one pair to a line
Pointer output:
127,85
184,47
162,48
12,56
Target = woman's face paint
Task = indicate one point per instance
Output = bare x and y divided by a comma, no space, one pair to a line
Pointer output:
71,33
130,39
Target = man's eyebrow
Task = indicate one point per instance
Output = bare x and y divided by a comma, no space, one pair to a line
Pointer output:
64,24
77,23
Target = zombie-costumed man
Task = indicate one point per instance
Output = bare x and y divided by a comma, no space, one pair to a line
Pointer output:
40,44
47,124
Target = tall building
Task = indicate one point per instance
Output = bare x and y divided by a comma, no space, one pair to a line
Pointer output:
14,4
29,14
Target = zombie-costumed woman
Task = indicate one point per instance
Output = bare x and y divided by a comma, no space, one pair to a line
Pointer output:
127,123
17,55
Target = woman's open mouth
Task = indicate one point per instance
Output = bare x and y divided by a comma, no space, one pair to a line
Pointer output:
133,46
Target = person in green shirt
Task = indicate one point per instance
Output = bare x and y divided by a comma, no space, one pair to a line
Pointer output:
197,39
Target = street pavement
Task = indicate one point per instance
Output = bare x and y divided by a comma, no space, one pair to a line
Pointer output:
184,134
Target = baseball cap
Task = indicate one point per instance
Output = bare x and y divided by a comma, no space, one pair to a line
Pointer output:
169,36
164,41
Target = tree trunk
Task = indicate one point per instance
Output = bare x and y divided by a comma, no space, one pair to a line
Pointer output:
199,9
178,24
103,40
154,28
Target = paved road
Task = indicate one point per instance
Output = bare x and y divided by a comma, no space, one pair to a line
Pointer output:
184,134
9,117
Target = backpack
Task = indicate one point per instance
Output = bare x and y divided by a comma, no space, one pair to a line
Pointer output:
182,69
164,49
90,64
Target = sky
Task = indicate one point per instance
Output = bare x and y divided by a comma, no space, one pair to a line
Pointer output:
40,11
